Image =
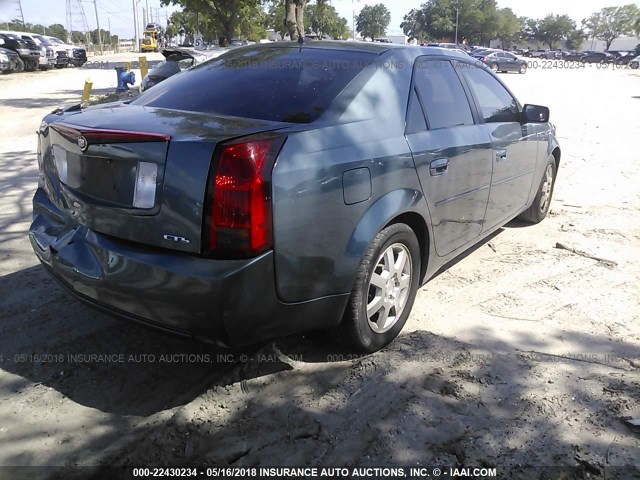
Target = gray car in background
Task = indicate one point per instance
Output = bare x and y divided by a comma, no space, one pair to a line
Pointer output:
287,187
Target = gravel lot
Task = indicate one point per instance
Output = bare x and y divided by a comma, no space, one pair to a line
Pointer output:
519,355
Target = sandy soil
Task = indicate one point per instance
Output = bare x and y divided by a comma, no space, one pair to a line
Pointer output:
519,356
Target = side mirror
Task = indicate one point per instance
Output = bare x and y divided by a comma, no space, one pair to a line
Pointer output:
535,114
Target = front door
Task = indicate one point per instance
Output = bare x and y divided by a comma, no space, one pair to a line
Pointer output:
515,146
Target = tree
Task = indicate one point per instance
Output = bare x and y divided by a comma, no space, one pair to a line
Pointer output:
323,19
294,18
435,19
575,38
510,27
226,18
373,21
58,31
612,22
276,18
554,28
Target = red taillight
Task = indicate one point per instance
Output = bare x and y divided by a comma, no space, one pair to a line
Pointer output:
240,212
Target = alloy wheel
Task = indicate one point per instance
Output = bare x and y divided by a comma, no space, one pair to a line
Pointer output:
546,188
389,288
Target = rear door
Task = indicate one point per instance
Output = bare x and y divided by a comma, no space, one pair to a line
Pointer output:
515,145
452,154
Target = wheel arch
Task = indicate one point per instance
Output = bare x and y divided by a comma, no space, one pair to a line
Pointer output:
556,153
406,206
417,223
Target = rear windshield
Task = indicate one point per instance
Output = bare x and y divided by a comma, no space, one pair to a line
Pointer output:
278,84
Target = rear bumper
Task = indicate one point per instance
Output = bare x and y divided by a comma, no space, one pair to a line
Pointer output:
229,302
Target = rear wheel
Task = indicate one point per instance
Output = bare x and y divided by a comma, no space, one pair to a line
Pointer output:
385,289
540,207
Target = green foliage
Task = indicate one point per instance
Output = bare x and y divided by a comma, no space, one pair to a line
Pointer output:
55,30
225,19
479,21
276,17
373,20
575,38
322,19
552,29
58,31
510,27
613,22
433,21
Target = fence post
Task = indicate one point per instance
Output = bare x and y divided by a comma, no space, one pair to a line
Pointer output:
143,67
86,93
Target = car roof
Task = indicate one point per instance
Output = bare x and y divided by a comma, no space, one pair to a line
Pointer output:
365,47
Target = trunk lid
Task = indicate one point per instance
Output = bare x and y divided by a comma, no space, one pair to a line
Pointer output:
136,173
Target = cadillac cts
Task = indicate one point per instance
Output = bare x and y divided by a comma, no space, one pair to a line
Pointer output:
287,187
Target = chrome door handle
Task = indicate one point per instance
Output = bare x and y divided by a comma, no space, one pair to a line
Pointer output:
439,166
501,155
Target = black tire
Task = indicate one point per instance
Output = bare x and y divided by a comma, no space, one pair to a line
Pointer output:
356,328
539,210
494,67
523,69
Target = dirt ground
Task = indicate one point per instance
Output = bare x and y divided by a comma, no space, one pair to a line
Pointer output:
519,356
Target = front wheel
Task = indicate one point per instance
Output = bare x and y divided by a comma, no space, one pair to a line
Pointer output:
540,207
494,67
522,69
384,290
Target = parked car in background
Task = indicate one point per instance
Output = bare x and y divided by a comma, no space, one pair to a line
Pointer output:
61,52
77,55
535,53
552,55
48,57
596,57
451,46
311,197
623,58
635,63
177,60
503,62
573,56
520,51
28,51
10,61
483,52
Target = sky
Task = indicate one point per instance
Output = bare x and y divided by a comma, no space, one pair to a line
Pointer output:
119,12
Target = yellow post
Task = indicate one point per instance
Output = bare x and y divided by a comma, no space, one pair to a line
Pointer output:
143,67
86,93
127,66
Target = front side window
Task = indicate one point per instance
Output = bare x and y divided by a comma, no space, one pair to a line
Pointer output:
442,95
495,102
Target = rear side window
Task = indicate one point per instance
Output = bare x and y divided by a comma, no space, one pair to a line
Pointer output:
278,84
442,95
495,102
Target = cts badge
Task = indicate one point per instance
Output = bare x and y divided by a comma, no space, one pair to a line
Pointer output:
82,143
174,238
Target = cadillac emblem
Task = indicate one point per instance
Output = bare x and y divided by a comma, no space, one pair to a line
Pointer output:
82,143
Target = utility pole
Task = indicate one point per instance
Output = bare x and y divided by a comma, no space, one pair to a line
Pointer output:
147,14
22,13
109,26
95,6
135,26
457,12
